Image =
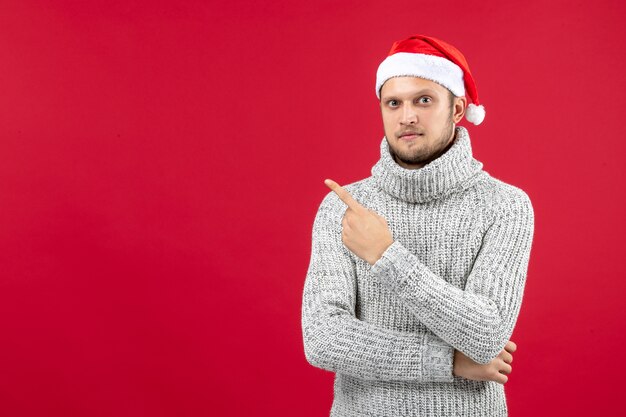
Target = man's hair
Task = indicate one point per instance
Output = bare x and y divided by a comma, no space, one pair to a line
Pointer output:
451,96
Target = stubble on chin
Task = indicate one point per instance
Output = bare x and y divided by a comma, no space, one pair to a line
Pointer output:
424,154
413,158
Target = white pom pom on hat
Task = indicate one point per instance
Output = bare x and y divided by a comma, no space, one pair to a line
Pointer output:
435,60
475,114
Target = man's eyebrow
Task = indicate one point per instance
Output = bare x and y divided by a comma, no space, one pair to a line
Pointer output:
421,92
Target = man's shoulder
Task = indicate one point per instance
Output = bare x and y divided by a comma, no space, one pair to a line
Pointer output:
360,190
505,197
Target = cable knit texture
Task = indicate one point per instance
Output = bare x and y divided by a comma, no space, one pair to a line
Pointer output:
452,279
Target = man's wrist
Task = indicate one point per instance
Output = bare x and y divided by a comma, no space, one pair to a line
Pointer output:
383,263
372,262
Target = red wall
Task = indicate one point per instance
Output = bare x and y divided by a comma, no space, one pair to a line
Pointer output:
161,164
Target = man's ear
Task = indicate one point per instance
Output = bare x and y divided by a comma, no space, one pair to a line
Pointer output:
459,107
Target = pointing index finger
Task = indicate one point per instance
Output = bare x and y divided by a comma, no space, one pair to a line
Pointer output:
344,195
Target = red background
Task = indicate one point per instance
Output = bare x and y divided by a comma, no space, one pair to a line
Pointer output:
161,164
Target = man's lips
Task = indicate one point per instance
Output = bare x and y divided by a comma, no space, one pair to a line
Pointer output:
409,135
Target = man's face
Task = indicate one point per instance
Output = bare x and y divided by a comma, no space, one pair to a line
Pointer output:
418,119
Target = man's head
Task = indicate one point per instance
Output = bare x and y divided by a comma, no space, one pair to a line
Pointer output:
422,87
419,117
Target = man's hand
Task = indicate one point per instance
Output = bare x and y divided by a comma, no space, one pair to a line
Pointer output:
365,232
496,370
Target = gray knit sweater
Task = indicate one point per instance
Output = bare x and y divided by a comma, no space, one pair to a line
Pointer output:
453,279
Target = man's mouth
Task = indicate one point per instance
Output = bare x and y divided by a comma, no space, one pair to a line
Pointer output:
409,135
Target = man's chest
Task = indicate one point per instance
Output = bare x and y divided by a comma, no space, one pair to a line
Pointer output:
445,235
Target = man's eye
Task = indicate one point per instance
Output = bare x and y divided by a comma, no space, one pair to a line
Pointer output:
393,103
424,100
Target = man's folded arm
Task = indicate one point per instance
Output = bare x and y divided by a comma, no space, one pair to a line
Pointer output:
336,340
479,319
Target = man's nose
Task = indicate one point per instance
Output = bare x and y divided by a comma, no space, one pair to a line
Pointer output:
409,116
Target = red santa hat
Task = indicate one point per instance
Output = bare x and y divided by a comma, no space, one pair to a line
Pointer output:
435,60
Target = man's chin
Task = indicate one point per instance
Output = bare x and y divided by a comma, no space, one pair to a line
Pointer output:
408,159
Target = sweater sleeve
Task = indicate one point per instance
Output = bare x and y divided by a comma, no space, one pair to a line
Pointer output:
336,340
479,319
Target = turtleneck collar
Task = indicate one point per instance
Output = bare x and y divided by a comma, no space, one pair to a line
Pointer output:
451,172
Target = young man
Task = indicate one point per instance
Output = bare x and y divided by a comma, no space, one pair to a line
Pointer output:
417,272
